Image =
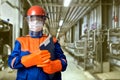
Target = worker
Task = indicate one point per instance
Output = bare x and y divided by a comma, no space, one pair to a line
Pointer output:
37,56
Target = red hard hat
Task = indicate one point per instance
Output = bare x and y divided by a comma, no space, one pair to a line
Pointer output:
36,10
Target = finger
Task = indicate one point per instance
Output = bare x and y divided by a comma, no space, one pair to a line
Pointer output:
45,58
43,65
46,61
44,51
44,55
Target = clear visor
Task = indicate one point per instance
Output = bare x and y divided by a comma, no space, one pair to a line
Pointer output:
34,18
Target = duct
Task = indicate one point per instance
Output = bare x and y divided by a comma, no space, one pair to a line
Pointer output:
74,22
29,2
77,12
72,5
81,9
73,13
11,5
65,13
84,10
18,16
67,16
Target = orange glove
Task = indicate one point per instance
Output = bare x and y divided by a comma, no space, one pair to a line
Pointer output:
52,67
40,57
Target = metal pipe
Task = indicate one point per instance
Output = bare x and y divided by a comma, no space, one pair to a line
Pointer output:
29,2
110,47
83,11
94,40
115,15
108,36
11,5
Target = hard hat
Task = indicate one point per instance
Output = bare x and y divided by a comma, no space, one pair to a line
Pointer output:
36,10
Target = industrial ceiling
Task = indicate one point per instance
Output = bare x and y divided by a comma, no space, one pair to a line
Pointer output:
56,12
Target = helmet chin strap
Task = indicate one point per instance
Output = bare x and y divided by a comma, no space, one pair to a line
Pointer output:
34,34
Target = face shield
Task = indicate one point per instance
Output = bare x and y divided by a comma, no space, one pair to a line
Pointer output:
36,23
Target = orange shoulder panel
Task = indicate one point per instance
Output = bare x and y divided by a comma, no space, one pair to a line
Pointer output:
24,42
23,39
30,44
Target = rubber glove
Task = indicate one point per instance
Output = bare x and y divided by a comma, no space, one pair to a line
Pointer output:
52,67
40,57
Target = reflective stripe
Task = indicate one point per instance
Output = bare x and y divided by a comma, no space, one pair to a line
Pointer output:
64,60
13,62
47,41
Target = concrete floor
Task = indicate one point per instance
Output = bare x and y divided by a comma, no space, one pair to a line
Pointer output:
72,72
113,75
7,74
75,73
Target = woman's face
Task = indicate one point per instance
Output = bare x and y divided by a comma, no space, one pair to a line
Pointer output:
35,23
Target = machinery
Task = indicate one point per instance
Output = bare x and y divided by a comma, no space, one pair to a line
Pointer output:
114,46
5,42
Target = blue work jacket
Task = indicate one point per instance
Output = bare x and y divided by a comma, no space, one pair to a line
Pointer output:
24,46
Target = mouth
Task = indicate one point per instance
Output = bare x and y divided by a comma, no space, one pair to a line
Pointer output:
35,29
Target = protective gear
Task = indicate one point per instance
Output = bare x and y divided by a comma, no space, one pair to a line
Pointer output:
38,58
35,25
36,10
52,67
34,34
36,17
35,28
26,45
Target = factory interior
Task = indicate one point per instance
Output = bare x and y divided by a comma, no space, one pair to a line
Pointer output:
87,30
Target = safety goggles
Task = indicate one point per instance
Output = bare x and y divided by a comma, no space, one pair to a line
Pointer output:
34,17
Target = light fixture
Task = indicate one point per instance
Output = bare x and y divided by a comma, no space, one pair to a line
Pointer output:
66,3
58,30
1,26
61,22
